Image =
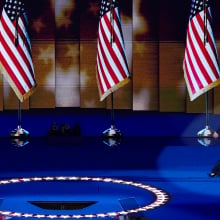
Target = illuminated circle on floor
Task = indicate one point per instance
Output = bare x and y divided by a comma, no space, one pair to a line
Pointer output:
161,197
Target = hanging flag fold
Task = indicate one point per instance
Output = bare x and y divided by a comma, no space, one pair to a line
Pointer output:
15,49
112,68
201,67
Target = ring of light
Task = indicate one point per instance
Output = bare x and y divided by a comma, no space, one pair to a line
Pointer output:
161,197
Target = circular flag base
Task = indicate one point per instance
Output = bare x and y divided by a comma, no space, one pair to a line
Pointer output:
207,136
19,133
112,136
19,137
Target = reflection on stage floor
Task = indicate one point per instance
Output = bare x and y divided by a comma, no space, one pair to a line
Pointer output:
86,177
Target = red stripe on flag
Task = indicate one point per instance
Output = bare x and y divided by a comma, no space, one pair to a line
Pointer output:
205,52
103,76
189,79
196,53
116,43
103,53
13,56
200,53
111,60
190,66
120,42
11,74
25,57
16,60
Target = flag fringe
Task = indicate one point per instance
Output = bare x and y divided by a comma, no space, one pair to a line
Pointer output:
201,91
113,89
21,97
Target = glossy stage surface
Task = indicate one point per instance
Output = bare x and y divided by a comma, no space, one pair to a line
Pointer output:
65,177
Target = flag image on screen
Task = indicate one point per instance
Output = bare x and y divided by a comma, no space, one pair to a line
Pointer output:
15,49
201,67
112,68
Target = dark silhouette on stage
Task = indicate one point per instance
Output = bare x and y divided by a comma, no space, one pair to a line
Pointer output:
215,170
65,130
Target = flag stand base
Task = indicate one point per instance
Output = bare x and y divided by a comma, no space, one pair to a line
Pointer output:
207,136
206,132
112,136
19,137
19,133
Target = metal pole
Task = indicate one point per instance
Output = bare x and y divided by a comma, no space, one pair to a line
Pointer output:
19,113
207,109
112,133
206,132
205,41
112,110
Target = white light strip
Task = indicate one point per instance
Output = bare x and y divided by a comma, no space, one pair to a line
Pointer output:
161,197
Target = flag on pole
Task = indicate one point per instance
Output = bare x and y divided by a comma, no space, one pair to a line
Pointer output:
112,68
201,67
15,49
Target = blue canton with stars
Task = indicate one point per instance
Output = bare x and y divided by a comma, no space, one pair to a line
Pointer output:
197,6
14,8
106,5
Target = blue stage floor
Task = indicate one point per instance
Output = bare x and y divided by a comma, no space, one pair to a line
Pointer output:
128,176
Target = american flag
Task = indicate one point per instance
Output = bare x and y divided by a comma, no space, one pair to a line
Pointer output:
112,67
201,67
15,49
